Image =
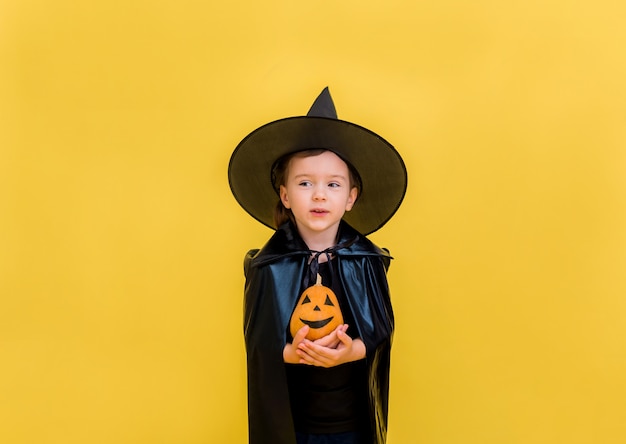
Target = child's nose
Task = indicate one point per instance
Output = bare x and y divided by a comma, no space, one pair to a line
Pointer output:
319,194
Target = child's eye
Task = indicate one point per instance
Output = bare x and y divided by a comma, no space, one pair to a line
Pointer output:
304,183
334,185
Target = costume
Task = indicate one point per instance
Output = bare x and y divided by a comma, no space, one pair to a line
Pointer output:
278,273
274,280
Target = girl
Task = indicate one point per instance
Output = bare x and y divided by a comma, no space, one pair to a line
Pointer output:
330,182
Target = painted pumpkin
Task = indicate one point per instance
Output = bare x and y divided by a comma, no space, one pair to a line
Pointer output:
318,308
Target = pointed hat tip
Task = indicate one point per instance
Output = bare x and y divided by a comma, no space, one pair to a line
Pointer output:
323,106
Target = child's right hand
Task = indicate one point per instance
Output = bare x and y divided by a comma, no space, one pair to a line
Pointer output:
290,356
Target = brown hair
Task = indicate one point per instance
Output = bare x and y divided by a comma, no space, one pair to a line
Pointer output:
280,171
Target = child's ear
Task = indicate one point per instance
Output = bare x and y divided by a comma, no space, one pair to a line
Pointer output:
354,193
283,196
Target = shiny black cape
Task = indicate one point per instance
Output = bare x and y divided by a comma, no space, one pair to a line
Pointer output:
274,280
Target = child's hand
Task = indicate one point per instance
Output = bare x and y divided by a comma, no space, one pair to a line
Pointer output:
347,350
332,340
290,356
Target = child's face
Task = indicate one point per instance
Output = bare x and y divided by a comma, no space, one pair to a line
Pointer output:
317,190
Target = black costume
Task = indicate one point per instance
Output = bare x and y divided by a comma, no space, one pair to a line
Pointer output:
275,277
277,274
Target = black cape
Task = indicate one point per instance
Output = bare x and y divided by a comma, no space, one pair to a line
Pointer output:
274,281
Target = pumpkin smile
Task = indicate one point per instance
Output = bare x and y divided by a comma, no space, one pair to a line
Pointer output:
317,307
317,324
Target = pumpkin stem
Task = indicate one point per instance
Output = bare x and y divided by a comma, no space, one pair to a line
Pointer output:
318,281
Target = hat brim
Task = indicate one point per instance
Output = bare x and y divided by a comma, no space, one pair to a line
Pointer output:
382,171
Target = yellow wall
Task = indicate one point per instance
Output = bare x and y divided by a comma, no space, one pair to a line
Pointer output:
121,246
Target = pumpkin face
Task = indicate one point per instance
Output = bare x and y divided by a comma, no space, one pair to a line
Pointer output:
318,308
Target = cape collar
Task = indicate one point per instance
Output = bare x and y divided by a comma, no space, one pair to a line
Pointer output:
286,242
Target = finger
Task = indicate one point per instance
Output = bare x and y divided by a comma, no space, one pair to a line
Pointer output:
326,340
315,361
331,340
310,349
304,357
318,353
300,335
310,357
344,338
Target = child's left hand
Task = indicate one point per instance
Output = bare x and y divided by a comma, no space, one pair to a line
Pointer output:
321,354
332,340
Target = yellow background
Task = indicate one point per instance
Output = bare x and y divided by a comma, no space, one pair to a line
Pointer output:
121,246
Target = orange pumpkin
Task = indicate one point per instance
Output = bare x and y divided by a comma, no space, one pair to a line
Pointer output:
318,308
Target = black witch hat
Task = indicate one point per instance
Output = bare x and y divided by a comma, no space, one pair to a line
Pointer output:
380,167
